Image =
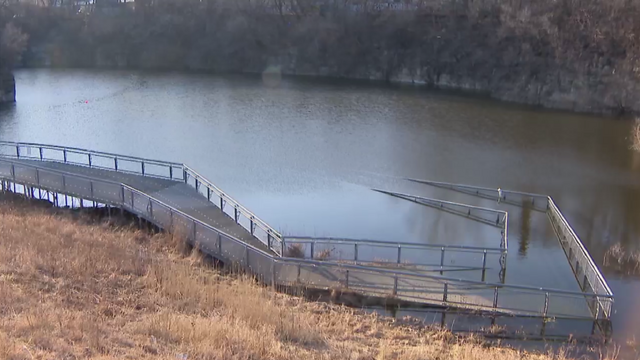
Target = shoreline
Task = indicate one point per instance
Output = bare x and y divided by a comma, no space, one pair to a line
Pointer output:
404,84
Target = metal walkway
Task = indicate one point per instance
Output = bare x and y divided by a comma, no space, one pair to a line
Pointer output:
174,193
178,199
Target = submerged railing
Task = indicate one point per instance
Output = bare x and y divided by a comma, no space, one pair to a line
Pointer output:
436,290
588,275
393,254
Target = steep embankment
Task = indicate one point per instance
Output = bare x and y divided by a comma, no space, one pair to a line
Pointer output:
579,55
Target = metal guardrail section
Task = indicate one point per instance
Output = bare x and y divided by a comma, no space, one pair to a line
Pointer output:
491,217
419,257
267,234
588,275
152,168
431,289
518,198
93,159
586,271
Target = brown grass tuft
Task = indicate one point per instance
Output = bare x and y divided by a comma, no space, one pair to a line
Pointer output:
71,289
295,251
622,260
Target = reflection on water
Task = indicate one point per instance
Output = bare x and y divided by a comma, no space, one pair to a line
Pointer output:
303,156
525,228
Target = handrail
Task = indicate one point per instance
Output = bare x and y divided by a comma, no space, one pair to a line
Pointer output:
584,251
87,151
464,186
390,244
574,247
243,210
323,263
185,169
442,201
449,205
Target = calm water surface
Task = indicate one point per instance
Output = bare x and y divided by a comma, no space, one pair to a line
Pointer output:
303,155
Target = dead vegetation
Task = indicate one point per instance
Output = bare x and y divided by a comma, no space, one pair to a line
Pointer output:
74,289
622,260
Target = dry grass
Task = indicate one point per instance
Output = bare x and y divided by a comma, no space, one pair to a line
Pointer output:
74,289
622,260
635,136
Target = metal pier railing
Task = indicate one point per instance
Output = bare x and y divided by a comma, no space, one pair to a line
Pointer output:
22,177
588,275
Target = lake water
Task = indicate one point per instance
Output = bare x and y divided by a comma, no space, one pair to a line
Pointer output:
304,154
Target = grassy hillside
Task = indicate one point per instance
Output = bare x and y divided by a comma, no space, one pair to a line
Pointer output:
73,288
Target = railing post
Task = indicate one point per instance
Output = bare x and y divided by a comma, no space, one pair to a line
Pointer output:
221,202
171,172
355,252
545,310
495,298
64,155
312,249
446,291
208,193
115,163
346,280
484,260
252,225
18,151
395,285
142,166
399,253
89,155
441,260
273,273
282,246
185,175
197,184
41,156
235,214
